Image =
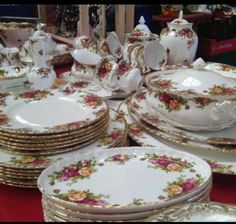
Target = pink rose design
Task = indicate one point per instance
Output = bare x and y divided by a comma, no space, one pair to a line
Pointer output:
69,173
215,165
188,185
89,201
228,90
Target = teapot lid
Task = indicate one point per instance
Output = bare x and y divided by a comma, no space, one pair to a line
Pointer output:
141,30
180,20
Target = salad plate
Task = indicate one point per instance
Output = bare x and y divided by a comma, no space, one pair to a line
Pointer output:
72,191
220,162
37,112
197,212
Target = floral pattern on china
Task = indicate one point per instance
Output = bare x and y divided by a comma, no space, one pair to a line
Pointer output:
193,83
179,35
74,188
89,107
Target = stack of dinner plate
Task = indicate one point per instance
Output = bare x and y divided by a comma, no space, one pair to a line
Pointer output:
40,127
122,184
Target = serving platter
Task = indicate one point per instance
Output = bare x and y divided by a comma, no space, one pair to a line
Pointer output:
139,107
197,212
220,162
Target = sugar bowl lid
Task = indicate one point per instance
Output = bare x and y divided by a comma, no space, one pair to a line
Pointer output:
141,30
180,20
191,83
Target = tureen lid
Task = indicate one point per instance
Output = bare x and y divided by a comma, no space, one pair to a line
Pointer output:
191,83
180,20
141,30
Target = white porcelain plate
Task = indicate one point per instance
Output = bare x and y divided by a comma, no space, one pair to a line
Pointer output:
113,136
125,179
49,111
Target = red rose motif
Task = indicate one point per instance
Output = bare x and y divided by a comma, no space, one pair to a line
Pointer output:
188,185
115,134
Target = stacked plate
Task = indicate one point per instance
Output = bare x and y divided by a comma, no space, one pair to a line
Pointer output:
38,128
122,184
49,122
197,212
147,130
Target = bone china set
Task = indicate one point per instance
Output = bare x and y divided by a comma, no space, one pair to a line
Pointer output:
69,144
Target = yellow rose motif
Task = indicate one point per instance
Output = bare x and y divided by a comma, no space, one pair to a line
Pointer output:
28,160
174,189
174,167
39,96
217,90
76,196
85,171
108,66
174,105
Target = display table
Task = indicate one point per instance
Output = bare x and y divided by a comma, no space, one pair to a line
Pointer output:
24,205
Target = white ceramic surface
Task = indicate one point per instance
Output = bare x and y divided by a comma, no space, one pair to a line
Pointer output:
131,195
37,111
180,40
220,162
178,94
9,160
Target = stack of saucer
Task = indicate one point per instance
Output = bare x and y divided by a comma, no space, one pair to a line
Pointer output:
122,184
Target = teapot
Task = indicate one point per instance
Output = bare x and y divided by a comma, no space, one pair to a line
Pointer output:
180,41
41,76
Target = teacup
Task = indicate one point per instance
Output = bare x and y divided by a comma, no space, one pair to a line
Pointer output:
10,57
85,63
115,46
127,78
104,73
81,42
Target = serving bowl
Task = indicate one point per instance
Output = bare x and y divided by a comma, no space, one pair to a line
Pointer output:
14,34
12,76
195,99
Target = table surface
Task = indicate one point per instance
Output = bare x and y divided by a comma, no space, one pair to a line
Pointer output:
24,205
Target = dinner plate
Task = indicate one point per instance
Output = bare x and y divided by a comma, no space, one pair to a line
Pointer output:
46,137
197,212
137,189
115,217
55,145
37,112
220,162
58,138
113,136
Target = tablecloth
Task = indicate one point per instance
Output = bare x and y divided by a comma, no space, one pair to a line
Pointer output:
24,205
